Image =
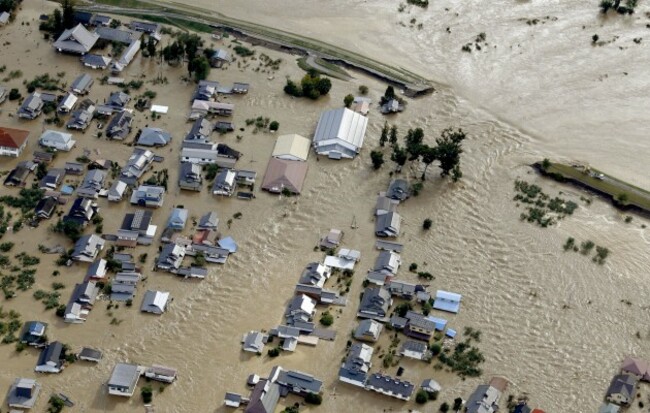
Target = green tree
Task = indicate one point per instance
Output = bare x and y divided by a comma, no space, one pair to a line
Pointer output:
388,95
147,394
67,11
315,399
427,224
393,135
292,89
326,319
421,397
377,158
458,403
347,100
151,46
444,407
546,163
448,151
606,5
41,171
323,85
384,135
429,155
399,155
275,125
201,68
414,138
363,89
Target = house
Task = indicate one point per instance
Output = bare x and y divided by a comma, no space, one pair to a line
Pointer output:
361,105
219,57
152,29
291,148
178,218
233,400
368,330
636,367
127,56
51,358
90,354
192,272
120,126
609,408
264,398
209,153
203,107
388,225
391,106
96,271
419,326
211,253
43,157
116,191
52,179
622,389
153,137
60,141
446,301
82,17
415,350
118,100
340,133
102,20
301,307
200,132
357,364
374,304
403,289
124,36
123,285
123,380
331,240
388,261
209,221
4,18
430,386
81,118
161,373
92,184
240,88
148,196
137,164
136,229
46,207
284,175
23,393
253,342
95,61
171,257
298,382
33,334
154,302
224,183
485,399
316,274
189,176
67,103
223,126
31,107
384,205
205,90
81,211
398,189
400,389
77,40
87,248
82,84
74,168
18,175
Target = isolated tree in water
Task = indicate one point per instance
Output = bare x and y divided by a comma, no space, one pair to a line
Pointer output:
429,155
448,152
393,135
384,135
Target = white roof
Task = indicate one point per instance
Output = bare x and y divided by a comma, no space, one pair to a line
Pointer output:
291,147
159,108
55,135
446,295
341,126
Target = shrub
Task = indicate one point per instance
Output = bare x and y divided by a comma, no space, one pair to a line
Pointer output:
274,352
326,319
147,394
315,399
274,126
413,267
347,100
363,89
14,94
377,158
427,224
444,407
435,349
421,397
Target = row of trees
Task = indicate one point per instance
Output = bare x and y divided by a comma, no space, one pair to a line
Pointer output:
446,151
628,8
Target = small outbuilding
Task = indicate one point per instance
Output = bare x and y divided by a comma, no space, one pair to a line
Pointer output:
154,302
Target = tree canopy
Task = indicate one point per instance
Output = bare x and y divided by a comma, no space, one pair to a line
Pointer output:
312,85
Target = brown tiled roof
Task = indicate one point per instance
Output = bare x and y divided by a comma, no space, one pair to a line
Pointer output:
12,138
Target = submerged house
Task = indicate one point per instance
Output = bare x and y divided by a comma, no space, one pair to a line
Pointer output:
219,57
447,301
200,132
291,148
253,342
374,304
23,393
12,141
485,399
161,373
51,358
81,302
52,179
123,380
77,40
67,103
178,219
189,176
264,398
116,191
137,164
82,84
120,126
340,133
368,330
316,274
81,211
18,175
92,184
81,118
209,153
136,229
389,386
127,56
284,175
57,140
87,248
153,137
154,302
224,183
148,196
171,258
31,107
622,389
357,364
398,190
388,225
33,334
95,61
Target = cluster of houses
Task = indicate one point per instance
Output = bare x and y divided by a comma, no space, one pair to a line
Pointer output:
622,390
266,392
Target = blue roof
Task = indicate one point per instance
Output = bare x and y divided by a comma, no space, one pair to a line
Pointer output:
447,301
450,333
446,295
36,328
67,189
440,323
229,244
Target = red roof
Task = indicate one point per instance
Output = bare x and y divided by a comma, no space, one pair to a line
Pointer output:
538,411
13,138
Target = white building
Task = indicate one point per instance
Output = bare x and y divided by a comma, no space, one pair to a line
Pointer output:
340,133
57,140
